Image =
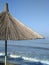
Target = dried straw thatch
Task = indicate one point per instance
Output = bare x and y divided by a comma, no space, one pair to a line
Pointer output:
13,29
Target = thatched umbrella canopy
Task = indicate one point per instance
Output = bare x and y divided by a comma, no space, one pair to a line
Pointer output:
13,29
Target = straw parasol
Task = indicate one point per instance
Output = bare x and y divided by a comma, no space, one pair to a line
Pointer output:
13,29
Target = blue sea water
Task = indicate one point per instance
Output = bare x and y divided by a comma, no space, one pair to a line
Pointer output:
26,52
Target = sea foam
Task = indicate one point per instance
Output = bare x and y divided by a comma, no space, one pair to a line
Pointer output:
29,59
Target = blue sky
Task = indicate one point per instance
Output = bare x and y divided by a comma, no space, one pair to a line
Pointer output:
33,13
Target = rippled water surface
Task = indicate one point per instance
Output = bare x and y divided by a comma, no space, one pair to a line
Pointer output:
27,52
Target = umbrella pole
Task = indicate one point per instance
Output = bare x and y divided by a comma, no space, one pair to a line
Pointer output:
5,52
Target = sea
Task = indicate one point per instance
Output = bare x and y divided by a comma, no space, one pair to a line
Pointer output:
26,52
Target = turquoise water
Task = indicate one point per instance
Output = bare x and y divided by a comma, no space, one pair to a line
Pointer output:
27,52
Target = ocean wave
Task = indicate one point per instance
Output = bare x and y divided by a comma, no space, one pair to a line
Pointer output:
2,54
14,56
36,60
29,59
